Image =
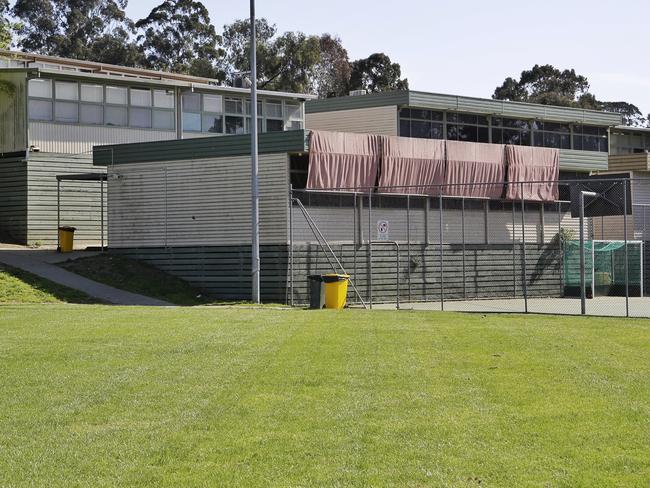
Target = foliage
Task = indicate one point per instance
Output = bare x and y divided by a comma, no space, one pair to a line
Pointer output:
5,25
331,76
95,30
177,36
168,397
550,86
284,63
377,73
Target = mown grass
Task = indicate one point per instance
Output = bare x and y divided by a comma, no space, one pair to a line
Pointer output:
137,277
18,286
117,396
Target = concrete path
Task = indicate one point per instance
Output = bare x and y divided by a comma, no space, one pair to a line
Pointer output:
38,262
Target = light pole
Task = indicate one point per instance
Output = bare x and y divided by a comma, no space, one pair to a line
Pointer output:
255,215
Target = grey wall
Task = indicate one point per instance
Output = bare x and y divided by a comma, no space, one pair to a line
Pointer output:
13,111
13,199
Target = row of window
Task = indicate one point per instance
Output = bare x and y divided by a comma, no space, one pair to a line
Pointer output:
97,104
456,126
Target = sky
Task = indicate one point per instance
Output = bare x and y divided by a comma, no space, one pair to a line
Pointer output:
469,47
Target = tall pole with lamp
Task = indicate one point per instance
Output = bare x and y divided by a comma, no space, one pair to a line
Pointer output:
255,215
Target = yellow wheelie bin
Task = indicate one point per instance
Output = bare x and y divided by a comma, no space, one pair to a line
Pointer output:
66,239
336,290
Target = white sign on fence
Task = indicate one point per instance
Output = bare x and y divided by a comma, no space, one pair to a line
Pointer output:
382,230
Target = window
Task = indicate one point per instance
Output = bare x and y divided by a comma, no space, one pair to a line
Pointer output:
234,125
421,123
273,125
191,122
467,127
66,90
234,106
213,103
274,109
140,117
510,131
163,119
140,98
115,116
248,125
589,138
260,108
91,114
66,112
191,102
40,110
213,123
92,93
116,95
40,88
551,134
163,99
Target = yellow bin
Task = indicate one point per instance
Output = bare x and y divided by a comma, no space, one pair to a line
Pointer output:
336,290
66,239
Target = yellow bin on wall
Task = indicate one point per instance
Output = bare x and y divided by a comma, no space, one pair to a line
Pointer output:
336,290
66,239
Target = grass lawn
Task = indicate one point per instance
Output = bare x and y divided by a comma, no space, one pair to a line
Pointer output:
119,396
137,277
18,286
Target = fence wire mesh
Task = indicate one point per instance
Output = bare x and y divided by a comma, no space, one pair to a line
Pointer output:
459,248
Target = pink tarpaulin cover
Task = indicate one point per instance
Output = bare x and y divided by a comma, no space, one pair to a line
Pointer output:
413,166
482,165
533,164
343,161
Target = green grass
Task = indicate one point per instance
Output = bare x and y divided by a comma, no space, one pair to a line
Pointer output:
119,396
17,286
137,277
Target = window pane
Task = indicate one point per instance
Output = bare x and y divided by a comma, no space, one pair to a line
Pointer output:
273,125
260,109
234,106
40,88
452,117
163,119
234,125
116,95
213,123
437,131
467,133
274,109
163,99
191,122
420,114
421,129
467,119
40,110
552,126
115,115
497,136
140,117
294,125
213,103
192,103
92,93
66,90
483,134
66,112
482,120
405,112
292,111
404,128
91,114
140,98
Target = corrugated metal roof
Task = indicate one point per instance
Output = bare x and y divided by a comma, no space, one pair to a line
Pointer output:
486,106
202,147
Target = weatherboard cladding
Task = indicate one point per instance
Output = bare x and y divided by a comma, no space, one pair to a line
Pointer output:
371,120
465,104
200,148
13,201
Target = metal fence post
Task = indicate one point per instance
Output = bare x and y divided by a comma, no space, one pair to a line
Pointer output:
523,248
165,176
514,251
291,245
627,276
559,247
58,213
462,232
101,210
442,261
408,243
370,246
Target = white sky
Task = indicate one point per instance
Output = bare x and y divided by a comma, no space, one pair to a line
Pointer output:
469,47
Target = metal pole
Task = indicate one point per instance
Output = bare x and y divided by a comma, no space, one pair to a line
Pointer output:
514,252
101,206
442,262
370,246
559,246
58,213
408,243
462,226
523,248
627,276
291,244
583,295
255,218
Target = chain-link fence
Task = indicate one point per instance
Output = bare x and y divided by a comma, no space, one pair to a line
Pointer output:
459,248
